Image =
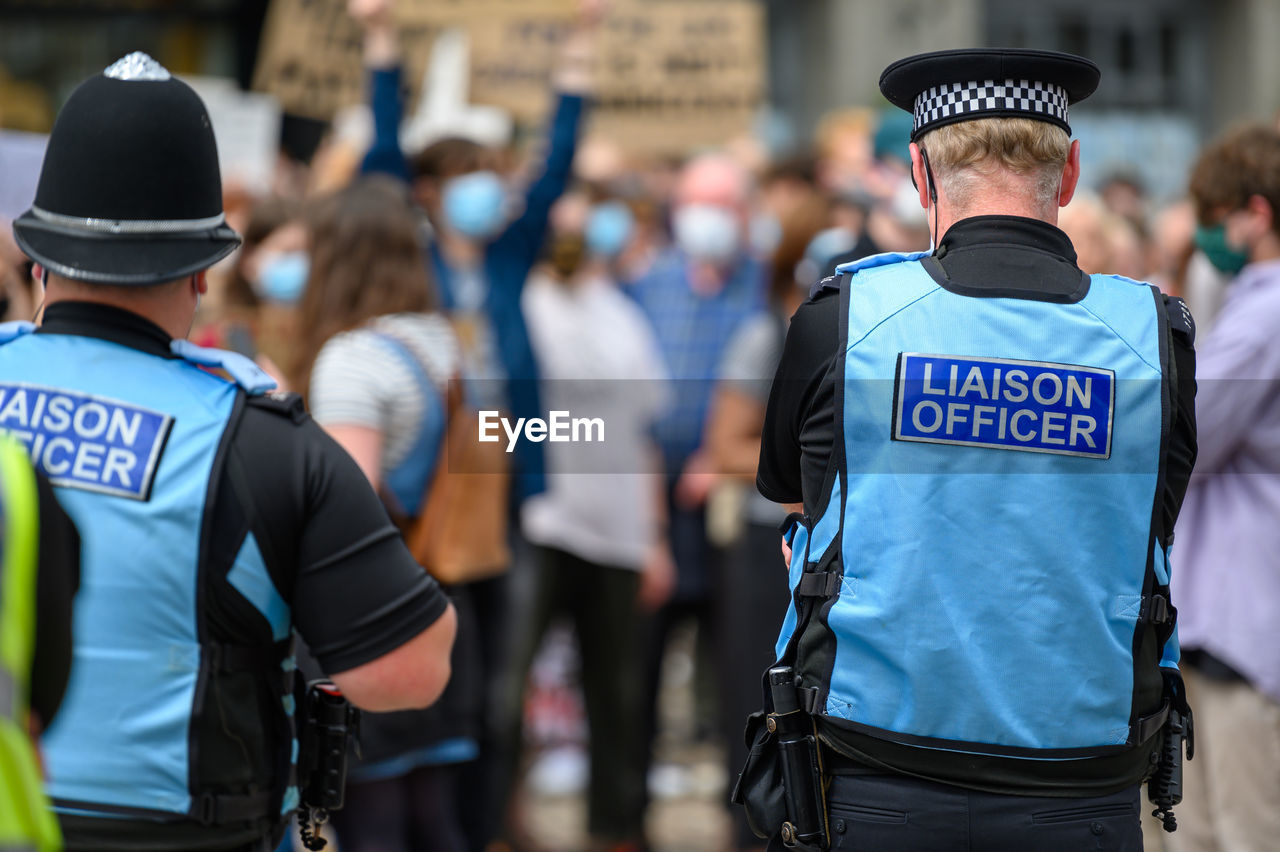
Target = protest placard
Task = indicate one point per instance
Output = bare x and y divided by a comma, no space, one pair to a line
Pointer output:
672,74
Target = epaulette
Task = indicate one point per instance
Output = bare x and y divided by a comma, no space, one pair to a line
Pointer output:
282,403
243,371
10,331
830,284
1180,320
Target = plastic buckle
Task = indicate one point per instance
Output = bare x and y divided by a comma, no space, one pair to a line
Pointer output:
1155,610
206,809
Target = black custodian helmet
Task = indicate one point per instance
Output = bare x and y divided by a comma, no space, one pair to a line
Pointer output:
130,191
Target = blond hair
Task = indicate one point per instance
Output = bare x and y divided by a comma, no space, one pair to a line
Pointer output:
967,154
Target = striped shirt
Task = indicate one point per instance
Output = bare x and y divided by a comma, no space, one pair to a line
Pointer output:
359,380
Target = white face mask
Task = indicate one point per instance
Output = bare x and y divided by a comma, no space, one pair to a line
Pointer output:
707,232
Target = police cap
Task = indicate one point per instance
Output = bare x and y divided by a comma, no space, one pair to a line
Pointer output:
948,86
130,191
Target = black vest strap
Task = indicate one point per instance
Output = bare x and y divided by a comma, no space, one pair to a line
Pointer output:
818,584
212,809
809,698
1148,726
241,658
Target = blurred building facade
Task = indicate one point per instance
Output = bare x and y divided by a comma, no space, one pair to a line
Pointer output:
1187,67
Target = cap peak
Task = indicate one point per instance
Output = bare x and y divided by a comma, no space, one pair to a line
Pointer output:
137,66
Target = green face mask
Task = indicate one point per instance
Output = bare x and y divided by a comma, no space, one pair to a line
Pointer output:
1212,240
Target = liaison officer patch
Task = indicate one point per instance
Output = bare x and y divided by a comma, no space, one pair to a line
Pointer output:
1004,404
83,441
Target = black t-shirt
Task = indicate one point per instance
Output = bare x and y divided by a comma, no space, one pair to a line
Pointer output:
1004,256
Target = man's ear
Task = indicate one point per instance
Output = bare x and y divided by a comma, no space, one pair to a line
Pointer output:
919,178
1262,211
200,281
1070,175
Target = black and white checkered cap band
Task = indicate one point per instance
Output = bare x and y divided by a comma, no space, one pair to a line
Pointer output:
950,100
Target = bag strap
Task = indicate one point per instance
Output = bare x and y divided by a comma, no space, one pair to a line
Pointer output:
452,397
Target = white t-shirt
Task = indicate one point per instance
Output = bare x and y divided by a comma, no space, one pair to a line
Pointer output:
599,359
359,380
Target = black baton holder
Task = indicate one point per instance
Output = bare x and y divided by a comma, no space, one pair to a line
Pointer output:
806,825
328,725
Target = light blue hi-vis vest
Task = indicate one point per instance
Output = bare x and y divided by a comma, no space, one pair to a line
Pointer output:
132,442
986,561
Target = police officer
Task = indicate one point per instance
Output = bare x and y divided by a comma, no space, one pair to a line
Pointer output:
39,571
989,448
216,517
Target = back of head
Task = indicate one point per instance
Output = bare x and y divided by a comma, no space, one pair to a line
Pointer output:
713,179
997,155
450,157
366,261
993,124
1237,166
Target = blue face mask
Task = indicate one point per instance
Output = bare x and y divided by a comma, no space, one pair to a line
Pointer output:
608,229
475,204
283,278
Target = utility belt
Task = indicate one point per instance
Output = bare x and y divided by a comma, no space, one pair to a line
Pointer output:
783,785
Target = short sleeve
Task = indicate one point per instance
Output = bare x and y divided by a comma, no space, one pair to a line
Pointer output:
347,383
812,341
355,591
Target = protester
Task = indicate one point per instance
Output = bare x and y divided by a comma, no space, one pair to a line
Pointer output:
215,518
1225,578
377,362
696,296
602,555
487,235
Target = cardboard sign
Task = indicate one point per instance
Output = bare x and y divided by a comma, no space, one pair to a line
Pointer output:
246,126
677,75
672,74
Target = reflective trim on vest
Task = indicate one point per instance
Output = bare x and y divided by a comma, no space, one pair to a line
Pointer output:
121,736
992,596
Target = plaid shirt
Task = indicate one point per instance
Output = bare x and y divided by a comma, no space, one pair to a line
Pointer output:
693,330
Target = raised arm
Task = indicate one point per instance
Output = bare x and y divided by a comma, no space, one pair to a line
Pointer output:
382,61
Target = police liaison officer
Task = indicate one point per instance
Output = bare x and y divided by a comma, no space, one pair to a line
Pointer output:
216,517
989,449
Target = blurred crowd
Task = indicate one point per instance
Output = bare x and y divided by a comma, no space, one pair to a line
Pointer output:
566,275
